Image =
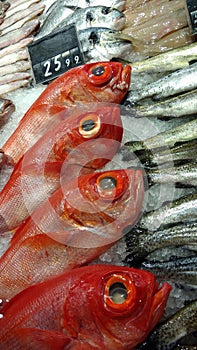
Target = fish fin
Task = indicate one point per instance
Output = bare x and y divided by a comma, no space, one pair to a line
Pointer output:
34,338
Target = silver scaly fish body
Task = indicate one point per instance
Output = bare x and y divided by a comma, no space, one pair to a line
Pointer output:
183,209
175,83
185,347
102,43
140,243
181,153
116,4
95,16
182,133
182,105
167,61
181,270
52,19
168,334
185,174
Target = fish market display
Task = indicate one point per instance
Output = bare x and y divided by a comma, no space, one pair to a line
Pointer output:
6,109
53,160
121,303
96,169
94,82
168,334
86,215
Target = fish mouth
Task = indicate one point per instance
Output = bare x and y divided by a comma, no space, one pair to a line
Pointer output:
160,297
122,82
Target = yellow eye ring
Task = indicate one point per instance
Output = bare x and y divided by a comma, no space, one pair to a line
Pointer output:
90,125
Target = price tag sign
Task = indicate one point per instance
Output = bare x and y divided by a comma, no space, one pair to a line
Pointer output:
191,6
54,54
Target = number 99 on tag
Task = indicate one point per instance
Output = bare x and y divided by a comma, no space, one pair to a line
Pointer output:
60,63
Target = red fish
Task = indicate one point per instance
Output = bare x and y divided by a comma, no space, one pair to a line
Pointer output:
89,308
75,225
91,137
93,82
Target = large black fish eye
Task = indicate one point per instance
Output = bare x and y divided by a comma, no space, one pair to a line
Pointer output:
107,183
118,293
97,71
106,10
88,125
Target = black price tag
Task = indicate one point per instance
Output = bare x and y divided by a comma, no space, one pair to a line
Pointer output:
54,54
192,15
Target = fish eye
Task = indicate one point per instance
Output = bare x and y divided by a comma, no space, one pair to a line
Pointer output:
108,183
98,71
90,125
106,10
100,74
119,293
111,185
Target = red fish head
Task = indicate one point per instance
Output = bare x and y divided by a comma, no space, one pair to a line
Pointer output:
108,79
120,306
99,206
91,137
100,81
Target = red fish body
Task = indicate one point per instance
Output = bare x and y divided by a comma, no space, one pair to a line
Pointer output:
75,225
93,82
88,308
91,138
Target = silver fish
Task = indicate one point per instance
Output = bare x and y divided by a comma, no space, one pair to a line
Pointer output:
181,270
52,19
6,109
168,61
185,347
182,133
95,16
185,174
167,335
102,44
175,83
179,106
115,4
183,209
140,242
178,154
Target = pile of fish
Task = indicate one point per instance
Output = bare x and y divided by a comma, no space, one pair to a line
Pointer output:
65,204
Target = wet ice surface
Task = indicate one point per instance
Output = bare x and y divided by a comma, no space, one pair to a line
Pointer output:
134,129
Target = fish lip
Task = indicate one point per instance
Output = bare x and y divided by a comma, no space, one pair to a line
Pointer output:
123,81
